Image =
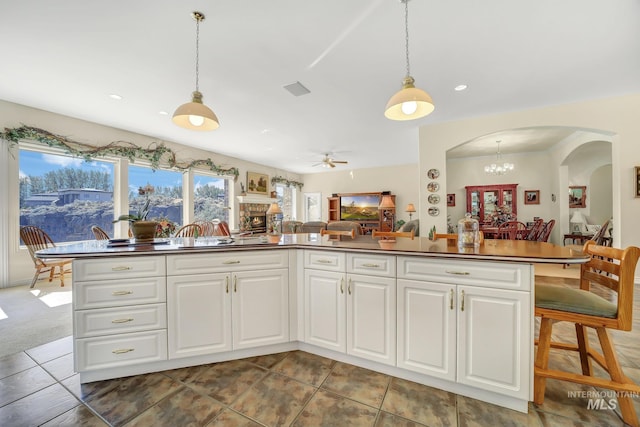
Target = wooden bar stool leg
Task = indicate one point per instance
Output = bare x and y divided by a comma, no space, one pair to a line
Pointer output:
627,409
542,359
583,349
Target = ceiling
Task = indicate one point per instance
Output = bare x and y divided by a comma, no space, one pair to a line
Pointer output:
68,56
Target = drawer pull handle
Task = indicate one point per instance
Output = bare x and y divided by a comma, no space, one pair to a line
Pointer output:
121,268
226,282
342,286
235,283
349,287
458,273
451,299
120,293
462,303
122,320
324,261
232,262
122,350
371,265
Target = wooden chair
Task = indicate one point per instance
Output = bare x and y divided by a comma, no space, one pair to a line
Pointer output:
188,230
351,233
392,234
207,227
546,231
610,268
99,233
535,230
35,239
512,230
221,228
452,238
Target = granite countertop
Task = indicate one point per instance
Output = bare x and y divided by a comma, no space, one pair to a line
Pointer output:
502,250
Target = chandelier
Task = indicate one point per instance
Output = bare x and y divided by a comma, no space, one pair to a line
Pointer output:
499,167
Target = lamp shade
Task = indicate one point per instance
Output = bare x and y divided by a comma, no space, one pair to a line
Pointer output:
274,209
410,208
386,202
578,218
195,115
409,103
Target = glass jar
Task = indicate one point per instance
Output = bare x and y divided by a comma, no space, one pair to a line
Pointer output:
468,233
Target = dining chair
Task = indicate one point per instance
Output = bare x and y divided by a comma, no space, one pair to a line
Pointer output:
535,230
511,230
36,239
188,230
207,227
546,231
393,234
221,228
351,232
609,272
99,233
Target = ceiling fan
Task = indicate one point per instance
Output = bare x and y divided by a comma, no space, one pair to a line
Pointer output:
328,162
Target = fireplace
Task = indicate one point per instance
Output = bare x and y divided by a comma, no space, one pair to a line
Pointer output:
257,222
253,214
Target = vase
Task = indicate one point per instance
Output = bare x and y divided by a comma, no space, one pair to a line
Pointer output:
144,231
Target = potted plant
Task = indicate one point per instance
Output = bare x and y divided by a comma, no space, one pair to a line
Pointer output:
141,228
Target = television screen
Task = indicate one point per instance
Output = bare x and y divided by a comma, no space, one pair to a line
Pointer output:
359,208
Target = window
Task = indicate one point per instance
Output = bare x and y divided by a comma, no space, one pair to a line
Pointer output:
211,198
65,195
166,199
287,200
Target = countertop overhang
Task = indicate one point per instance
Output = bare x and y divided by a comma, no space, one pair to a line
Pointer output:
491,250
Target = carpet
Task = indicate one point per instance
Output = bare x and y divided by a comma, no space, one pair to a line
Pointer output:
32,317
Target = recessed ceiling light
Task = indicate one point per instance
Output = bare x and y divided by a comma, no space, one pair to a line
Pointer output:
163,113
115,96
460,88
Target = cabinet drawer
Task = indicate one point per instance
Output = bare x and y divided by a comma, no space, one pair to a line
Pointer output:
325,260
226,261
122,267
120,350
372,265
108,321
116,293
464,272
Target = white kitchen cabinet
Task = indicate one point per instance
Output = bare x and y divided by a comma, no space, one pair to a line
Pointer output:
119,311
215,311
351,313
469,333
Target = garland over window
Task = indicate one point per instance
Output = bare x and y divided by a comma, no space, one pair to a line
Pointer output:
283,180
155,153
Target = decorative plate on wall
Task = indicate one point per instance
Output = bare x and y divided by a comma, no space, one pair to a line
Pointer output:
434,199
433,186
434,211
433,173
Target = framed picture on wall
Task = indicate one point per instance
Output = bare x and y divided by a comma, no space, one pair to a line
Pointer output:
451,199
577,197
531,197
257,183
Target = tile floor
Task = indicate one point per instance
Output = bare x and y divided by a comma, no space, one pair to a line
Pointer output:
39,387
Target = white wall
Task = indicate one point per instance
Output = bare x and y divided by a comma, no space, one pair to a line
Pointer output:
403,181
613,116
15,115
599,198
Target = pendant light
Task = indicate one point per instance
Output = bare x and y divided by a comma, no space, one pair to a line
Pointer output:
195,115
499,167
410,102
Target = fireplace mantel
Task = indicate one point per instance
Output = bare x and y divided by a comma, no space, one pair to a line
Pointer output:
258,200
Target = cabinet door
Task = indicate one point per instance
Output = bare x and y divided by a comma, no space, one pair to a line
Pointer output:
260,308
494,340
325,312
371,318
427,328
199,314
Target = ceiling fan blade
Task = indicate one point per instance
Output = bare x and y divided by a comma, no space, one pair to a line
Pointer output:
332,165
340,161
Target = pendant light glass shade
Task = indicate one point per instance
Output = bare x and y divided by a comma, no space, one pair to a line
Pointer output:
195,115
409,102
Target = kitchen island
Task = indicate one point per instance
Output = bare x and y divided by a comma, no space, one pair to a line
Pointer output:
416,309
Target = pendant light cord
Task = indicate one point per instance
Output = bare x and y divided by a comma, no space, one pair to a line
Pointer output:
198,18
406,34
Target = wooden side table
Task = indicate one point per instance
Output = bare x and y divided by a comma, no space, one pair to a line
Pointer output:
577,238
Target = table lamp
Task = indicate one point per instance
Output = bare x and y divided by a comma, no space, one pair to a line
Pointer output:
411,209
274,209
578,220
387,209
